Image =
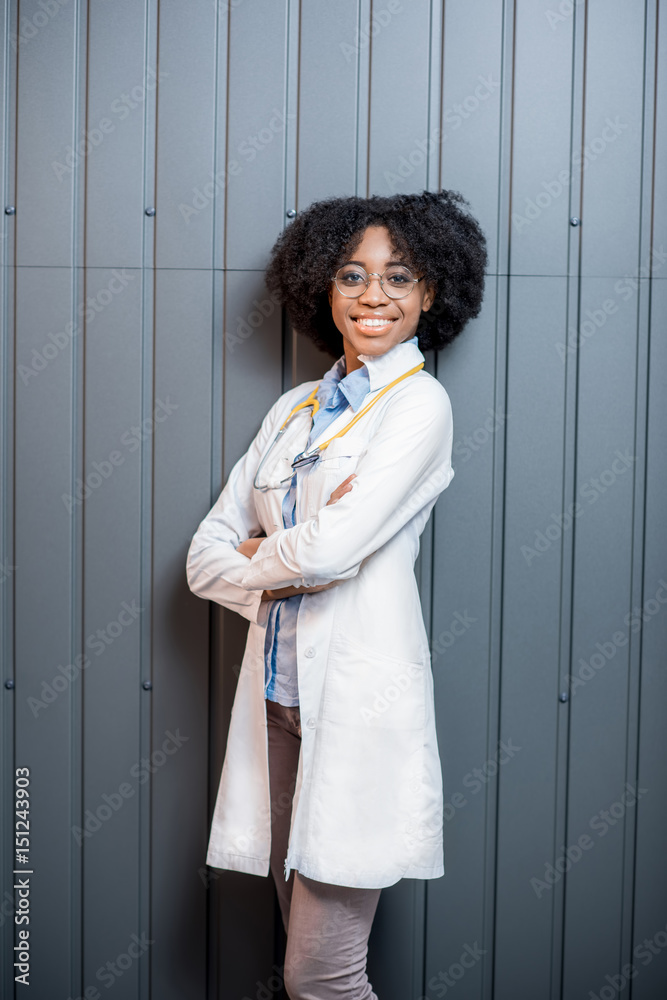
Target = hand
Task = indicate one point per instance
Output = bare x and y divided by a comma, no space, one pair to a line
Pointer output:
250,546
275,595
340,490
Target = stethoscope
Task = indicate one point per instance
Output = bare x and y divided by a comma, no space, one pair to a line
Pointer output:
308,458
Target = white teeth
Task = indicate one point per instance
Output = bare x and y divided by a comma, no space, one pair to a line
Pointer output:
373,322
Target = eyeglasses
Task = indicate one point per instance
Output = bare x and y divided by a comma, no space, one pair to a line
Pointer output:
397,281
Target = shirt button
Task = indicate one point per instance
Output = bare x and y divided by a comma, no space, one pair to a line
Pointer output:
309,651
311,723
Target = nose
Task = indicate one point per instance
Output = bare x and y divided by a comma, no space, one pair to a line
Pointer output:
375,292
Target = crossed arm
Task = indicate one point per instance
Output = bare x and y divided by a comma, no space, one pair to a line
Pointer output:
231,562
250,546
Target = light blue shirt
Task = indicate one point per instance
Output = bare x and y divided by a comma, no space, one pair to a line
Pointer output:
336,392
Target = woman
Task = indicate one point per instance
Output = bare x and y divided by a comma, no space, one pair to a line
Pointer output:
332,778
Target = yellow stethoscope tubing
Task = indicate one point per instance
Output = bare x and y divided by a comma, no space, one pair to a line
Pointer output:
312,401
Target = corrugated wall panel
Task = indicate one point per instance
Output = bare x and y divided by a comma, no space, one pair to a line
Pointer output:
612,139
541,128
51,140
466,138
186,135
224,118
47,710
461,640
257,127
248,354
121,97
599,720
178,661
328,152
109,502
649,625
398,116
529,706
651,635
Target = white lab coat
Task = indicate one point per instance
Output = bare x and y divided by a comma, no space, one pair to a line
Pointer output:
368,803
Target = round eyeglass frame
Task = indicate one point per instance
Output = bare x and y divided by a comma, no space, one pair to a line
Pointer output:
368,274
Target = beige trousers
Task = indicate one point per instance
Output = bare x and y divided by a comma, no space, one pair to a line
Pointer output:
327,926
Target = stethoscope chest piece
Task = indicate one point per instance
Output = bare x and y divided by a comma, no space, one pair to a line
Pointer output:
304,459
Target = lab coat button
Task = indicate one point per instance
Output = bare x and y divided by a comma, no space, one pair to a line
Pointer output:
309,651
311,723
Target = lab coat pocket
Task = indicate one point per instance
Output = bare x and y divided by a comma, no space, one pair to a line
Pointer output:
366,689
337,462
343,452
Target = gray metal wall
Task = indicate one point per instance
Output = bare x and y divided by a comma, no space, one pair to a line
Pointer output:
142,350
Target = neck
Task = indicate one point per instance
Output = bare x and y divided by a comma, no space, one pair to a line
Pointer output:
352,362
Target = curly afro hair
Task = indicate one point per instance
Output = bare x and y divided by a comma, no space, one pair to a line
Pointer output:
431,232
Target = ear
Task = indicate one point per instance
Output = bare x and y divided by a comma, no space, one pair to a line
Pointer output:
429,297
330,293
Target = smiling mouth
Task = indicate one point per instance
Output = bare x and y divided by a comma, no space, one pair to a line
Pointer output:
373,324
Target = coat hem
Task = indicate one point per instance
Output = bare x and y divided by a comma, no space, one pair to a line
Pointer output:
378,880
238,863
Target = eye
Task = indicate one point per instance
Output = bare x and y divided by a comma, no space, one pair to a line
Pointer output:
351,276
399,276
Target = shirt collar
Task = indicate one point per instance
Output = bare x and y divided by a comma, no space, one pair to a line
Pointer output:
384,368
375,372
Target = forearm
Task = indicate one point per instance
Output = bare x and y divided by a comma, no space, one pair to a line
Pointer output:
249,547
403,471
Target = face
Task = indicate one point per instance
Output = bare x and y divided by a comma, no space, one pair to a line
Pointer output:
400,316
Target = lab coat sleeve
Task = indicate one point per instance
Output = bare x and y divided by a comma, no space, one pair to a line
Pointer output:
214,568
406,465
